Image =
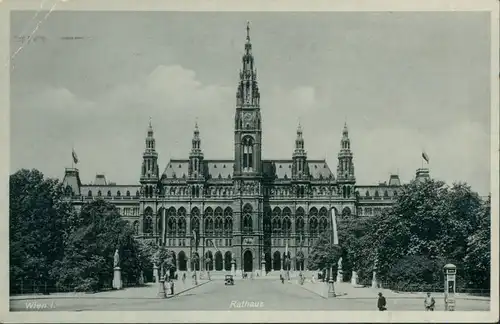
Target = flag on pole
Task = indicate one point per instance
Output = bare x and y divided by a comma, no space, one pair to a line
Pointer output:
75,157
425,157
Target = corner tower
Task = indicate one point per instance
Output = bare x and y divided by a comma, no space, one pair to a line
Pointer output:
149,170
248,126
345,169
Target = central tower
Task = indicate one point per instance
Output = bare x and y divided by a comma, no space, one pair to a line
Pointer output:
248,199
248,126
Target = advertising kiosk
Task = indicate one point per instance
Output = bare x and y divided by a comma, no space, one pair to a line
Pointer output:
450,277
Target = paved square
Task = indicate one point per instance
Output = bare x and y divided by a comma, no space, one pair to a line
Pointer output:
257,295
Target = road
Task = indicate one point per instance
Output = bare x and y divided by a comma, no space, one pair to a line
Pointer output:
247,294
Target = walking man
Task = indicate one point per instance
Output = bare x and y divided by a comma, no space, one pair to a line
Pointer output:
381,302
429,303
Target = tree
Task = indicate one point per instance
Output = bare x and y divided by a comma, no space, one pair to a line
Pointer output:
92,240
358,252
477,261
430,224
37,214
323,254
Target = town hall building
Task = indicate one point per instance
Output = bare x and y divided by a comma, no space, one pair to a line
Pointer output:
249,208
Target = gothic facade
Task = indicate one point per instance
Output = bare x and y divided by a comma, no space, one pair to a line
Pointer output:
251,209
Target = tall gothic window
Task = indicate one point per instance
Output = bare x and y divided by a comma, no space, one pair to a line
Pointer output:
247,219
195,220
247,154
209,221
181,222
228,222
299,225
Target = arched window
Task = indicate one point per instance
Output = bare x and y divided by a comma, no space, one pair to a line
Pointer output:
247,219
287,226
137,193
89,193
181,222
323,225
209,221
299,221
313,227
219,223
247,153
109,193
386,194
276,221
99,193
195,220
171,221
376,194
367,194
228,222
148,221
128,193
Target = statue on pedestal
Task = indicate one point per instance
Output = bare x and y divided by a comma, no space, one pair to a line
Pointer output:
116,259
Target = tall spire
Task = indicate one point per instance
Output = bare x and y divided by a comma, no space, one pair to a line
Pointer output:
150,140
299,142
345,168
196,155
248,91
150,128
248,32
195,149
300,169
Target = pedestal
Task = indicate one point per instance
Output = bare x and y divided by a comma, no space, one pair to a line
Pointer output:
155,273
161,289
263,268
117,278
354,278
141,278
233,268
374,280
340,276
331,288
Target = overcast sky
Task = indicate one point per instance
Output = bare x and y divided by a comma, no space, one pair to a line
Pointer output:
404,82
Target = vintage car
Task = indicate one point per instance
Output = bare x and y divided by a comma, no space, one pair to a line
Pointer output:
229,280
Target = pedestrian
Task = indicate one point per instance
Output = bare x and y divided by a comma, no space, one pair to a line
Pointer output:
282,279
167,287
172,288
429,302
381,302
184,278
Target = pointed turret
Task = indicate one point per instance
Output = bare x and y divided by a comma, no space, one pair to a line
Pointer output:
300,169
196,155
248,126
248,91
150,172
345,168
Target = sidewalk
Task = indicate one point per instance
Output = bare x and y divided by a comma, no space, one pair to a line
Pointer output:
345,290
148,291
